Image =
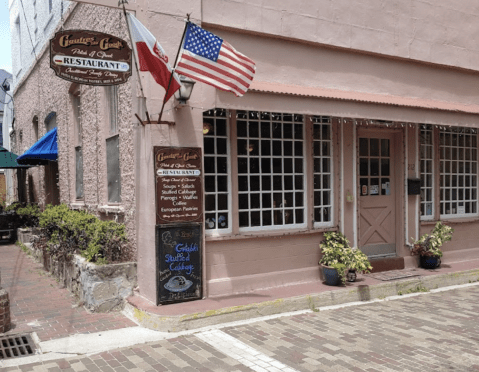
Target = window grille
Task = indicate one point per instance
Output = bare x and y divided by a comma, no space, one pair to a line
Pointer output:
270,149
458,172
427,172
323,180
216,169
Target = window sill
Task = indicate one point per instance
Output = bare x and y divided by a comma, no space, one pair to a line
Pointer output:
118,209
271,234
451,220
77,205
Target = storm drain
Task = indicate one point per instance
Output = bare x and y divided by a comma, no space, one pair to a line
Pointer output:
16,346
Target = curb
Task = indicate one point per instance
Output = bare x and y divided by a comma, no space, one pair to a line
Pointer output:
312,302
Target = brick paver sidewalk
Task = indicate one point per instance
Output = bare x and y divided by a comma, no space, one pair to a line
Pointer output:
37,303
431,332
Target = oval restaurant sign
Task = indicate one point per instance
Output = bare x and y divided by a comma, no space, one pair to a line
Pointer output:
178,184
89,57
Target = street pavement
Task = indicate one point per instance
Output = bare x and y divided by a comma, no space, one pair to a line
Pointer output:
435,331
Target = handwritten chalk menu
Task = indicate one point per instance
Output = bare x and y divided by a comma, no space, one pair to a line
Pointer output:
178,252
178,184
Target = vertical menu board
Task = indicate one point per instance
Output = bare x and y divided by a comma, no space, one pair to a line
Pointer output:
178,184
179,264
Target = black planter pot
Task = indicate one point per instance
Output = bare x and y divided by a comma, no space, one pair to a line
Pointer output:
331,275
429,262
351,275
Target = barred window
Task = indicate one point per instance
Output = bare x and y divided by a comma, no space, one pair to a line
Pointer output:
216,169
322,153
270,149
427,172
458,172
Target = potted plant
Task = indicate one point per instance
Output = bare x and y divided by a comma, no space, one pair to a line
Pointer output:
337,256
428,246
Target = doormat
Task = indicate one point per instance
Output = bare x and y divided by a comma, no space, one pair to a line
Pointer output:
394,275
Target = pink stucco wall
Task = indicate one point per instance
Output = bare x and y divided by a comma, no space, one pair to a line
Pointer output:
439,32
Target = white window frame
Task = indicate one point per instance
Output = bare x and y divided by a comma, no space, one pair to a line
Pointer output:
283,226
320,120
461,133
211,114
425,174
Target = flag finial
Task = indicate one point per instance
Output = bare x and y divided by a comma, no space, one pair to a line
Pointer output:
122,2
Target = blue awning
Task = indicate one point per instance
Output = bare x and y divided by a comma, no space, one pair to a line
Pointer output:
42,151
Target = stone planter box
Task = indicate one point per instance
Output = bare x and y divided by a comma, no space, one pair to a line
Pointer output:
24,234
100,288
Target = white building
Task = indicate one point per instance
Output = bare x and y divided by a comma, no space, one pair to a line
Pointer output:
32,24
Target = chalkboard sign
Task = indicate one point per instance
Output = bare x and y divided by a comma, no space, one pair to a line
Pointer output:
179,270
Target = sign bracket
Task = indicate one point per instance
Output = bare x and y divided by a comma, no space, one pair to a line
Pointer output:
145,122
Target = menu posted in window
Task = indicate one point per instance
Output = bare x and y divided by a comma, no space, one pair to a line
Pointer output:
178,173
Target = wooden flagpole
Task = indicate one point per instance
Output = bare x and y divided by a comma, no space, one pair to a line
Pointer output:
174,65
133,45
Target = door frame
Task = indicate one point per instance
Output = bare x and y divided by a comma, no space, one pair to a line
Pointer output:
398,160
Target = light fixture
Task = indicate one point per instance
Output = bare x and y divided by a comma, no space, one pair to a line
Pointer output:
207,127
183,94
5,85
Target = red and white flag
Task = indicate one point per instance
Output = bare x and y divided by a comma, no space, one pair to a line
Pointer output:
207,58
152,57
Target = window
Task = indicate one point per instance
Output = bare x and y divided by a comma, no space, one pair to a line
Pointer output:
427,172
259,170
216,160
19,35
77,133
270,156
322,155
112,94
113,147
458,172
35,128
35,21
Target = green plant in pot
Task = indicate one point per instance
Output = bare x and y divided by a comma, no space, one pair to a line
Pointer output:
428,246
337,256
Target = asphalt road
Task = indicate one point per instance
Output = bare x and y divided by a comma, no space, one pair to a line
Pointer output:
428,332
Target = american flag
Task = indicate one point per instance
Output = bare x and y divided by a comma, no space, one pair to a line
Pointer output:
207,58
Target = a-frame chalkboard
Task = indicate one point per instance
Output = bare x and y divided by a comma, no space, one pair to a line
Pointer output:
179,262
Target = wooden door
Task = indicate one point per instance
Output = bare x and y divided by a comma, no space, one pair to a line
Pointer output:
377,193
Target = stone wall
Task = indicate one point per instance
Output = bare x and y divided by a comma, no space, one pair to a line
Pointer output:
100,288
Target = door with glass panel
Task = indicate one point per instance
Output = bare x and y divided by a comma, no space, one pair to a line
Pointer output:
377,193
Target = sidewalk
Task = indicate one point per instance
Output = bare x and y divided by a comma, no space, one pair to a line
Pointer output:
38,304
313,295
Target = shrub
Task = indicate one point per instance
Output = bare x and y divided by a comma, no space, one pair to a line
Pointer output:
27,213
337,253
70,231
430,244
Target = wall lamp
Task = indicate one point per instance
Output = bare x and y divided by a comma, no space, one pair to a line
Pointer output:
183,94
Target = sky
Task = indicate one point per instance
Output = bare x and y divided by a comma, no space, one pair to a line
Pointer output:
5,45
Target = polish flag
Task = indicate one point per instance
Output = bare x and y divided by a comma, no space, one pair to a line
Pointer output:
152,57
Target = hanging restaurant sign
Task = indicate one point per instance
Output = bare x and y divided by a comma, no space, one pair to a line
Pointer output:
89,57
178,184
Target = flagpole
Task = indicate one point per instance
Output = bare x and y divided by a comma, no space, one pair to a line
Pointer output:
134,50
174,65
